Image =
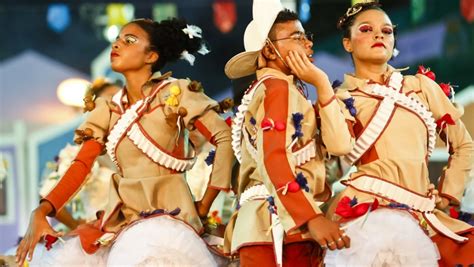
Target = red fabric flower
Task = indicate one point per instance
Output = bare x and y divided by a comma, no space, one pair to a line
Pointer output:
442,122
229,121
50,240
427,72
453,213
345,210
446,87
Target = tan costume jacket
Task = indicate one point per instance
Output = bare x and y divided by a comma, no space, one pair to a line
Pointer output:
272,156
142,184
400,154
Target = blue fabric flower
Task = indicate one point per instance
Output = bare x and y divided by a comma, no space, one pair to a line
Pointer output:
336,84
174,212
301,180
297,119
350,105
353,201
271,205
398,205
210,158
253,121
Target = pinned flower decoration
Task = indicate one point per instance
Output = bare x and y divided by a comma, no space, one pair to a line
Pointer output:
148,213
50,240
210,158
172,99
193,31
297,119
271,205
335,84
349,102
83,135
349,208
300,182
427,72
195,86
444,121
448,89
228,121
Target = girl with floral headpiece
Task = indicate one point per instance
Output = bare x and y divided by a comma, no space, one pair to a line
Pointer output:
150,217
391,212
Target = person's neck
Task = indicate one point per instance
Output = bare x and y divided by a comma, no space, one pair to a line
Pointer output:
371,71
281,68
134,84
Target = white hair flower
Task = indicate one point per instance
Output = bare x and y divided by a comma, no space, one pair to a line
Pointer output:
188,57
193,31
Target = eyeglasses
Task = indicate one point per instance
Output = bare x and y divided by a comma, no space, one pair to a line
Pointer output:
300,36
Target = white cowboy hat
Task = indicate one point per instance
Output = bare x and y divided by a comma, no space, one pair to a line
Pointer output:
264,13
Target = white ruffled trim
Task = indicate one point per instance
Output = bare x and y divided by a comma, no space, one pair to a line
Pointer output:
238,120
252,193
394,192
401,195
141,141
387,238
415,106
119,129
378,123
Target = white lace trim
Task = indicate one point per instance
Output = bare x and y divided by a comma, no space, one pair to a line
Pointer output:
238,120
146,146
399,194
378,123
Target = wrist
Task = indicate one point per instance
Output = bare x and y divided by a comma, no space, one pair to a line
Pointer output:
45,208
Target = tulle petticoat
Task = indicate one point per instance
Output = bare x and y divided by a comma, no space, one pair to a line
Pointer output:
387,238
158,241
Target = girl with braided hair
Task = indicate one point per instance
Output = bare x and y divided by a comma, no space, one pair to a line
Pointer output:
150,218
389,209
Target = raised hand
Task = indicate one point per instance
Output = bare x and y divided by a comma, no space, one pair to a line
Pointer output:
304,69
328,233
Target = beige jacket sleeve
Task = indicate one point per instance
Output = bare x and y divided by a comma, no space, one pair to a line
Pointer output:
461,149
96,125
336,127
202,117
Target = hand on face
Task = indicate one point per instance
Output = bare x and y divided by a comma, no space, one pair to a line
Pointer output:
304,69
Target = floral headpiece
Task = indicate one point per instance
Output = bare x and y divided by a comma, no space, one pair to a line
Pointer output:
193,31
354,10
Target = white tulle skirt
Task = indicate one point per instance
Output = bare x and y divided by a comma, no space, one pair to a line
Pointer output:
158,241
387,238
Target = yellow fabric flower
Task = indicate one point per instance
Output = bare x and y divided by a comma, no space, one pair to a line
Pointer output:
172,99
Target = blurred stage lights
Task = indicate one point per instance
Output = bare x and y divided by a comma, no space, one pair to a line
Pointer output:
71,91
